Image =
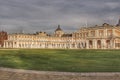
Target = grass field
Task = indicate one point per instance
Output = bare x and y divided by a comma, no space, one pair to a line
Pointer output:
62,60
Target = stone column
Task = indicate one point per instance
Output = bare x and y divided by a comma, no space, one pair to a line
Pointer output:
103,44
17,44
23,45
87,44
10,45
89,33
97,33
105,32
81,44
94,44
13,45
65,45
113,43
75,45
113,31
4,45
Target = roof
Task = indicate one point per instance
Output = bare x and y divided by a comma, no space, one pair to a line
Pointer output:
67,35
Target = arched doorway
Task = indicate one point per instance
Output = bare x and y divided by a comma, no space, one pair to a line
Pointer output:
99,44
85,45
107,43
73,45
79,45
90,44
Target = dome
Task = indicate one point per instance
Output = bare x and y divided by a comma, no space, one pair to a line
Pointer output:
58,29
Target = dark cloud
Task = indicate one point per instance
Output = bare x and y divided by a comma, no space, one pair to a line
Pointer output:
38,15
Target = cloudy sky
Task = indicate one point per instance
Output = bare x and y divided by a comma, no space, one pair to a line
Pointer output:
45,15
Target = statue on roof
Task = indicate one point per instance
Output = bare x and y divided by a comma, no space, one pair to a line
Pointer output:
118,23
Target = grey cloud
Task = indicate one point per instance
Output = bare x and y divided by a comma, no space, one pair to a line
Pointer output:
35,15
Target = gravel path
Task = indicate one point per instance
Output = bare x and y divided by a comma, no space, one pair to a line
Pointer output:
18,74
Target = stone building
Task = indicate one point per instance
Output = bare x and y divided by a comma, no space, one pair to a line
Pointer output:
3,36
97,37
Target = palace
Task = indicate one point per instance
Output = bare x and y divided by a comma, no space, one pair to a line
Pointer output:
97,37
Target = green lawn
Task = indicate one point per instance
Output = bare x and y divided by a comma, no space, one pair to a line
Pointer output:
62,60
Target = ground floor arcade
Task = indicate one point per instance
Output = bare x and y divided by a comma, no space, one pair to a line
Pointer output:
78,44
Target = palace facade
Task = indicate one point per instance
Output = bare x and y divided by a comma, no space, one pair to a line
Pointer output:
97,37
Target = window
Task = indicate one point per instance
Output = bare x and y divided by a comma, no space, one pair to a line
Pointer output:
92,33
101,33
109,32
